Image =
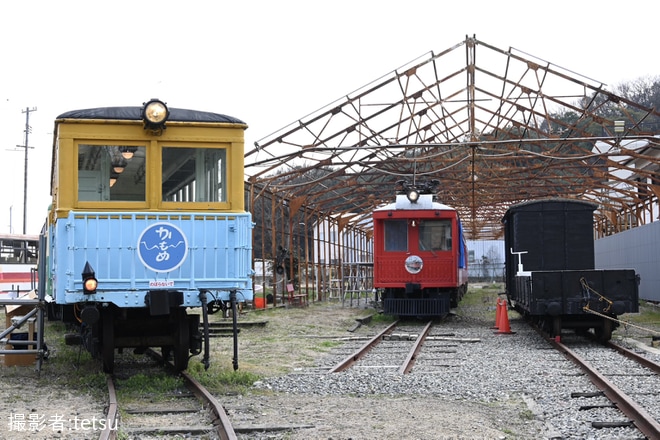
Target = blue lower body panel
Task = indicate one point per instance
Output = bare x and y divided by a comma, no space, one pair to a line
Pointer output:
135,253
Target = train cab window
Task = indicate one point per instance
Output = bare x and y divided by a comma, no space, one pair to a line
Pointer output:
111,173
435,235
194,174
396,235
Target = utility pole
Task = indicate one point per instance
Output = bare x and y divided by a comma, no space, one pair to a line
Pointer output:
28,129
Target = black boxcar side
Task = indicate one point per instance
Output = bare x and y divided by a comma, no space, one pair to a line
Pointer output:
557,234
558,285
568,292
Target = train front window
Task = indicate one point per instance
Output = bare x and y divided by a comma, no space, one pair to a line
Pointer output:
435,235
194,174
396,235
111,173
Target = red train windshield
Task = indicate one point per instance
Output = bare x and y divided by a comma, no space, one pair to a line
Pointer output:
432,235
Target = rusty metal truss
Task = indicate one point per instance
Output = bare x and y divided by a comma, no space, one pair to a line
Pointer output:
495,127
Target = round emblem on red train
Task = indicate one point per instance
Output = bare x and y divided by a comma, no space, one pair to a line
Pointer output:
414,264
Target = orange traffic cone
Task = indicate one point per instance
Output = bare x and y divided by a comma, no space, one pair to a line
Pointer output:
504,327
497,314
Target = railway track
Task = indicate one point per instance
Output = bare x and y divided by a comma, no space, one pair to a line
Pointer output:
437,354
192,411
396,346
630,383
355,356
225,328
400,347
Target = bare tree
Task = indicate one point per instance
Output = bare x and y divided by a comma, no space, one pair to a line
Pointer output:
493,261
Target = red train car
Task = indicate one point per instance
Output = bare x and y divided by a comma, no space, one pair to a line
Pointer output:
420,255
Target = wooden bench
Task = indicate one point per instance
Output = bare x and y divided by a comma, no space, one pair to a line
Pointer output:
295,300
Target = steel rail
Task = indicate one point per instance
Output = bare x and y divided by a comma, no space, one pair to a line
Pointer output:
648,363
414,351
222,424
350,360
109,431
642,420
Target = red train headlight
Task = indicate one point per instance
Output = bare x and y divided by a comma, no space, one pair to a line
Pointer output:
413,195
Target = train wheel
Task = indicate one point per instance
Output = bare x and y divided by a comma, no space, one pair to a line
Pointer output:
166,352
182,343
54,312
556,326
108,345
604,331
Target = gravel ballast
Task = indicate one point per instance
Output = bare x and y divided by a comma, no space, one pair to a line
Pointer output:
490,386
506,386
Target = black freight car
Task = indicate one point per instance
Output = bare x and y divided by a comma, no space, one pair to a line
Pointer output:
550,274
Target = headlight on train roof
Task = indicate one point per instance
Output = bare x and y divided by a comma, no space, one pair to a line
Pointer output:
413,195
155,114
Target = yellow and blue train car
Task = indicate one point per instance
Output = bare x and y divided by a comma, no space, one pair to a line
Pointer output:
147,222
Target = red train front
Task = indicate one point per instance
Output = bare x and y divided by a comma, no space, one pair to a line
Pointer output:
420,261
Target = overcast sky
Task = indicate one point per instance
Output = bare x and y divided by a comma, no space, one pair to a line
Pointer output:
268,63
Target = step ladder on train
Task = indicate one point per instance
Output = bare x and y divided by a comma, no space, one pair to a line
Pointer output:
22,340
